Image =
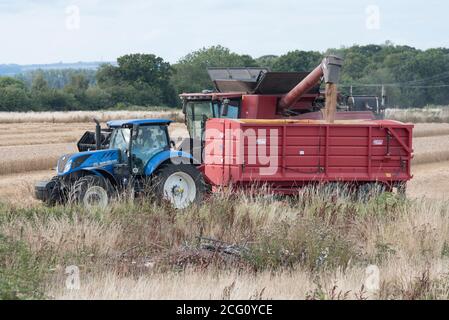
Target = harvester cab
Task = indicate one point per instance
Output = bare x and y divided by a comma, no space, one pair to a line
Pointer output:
138,157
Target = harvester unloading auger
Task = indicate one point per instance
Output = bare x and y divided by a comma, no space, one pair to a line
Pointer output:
330,70
265,129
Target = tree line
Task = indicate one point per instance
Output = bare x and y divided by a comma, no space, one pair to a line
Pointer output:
411,77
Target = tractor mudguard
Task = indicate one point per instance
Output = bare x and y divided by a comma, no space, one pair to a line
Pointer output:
177,157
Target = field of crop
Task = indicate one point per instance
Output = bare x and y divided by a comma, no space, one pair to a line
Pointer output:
431,114
312,247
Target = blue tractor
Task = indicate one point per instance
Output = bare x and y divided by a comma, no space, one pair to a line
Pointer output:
130,155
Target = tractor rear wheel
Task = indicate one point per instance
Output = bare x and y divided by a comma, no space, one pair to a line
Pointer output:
181,184
91,192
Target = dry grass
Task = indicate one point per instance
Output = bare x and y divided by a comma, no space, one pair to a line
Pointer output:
18,188
400,276
311,248
16,159
85,116
430,129
431,149
25,139
42,127
430,180
428,114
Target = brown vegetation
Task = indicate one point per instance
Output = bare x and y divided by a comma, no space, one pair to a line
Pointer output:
308,248
435,114
84,116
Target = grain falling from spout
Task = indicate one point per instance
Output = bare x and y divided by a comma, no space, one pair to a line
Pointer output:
331,102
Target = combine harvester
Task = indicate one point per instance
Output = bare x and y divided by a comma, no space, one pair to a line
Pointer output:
250,132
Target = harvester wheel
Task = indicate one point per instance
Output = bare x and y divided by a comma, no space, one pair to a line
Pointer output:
91,192
180,184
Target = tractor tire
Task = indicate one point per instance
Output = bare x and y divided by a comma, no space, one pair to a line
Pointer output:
180,184
91,192
55,195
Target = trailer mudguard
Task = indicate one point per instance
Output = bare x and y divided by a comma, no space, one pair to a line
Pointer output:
176,157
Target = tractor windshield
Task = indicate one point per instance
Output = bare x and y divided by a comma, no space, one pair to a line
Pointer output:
120,140
197,113
149,141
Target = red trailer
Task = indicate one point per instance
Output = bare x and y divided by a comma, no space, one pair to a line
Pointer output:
287,154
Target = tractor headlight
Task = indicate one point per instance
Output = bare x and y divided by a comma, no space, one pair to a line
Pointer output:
68,166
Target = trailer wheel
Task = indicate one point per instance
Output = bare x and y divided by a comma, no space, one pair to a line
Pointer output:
402,189
180,184
91,192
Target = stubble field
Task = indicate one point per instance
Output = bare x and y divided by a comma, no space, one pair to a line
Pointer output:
307,249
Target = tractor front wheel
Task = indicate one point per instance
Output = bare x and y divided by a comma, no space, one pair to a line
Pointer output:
91,192
181,184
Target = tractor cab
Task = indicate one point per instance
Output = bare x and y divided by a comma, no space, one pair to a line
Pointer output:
138,141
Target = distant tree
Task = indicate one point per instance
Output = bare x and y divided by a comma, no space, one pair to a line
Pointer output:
77,87
144,68
267,61
191,71
142,79
107,76
57,78
97,98
11,82
13,98
39,83
13,95
57,100
295,61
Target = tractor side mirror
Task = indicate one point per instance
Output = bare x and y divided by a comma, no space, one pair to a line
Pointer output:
225,108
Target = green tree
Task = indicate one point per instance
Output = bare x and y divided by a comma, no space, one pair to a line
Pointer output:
39,83
11,82
267,61
191,71
142,79
295,61
14,99
77,88
13,95
57,78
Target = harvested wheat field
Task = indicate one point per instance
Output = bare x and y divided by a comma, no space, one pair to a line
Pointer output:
431,129
431,149
84,116
308,248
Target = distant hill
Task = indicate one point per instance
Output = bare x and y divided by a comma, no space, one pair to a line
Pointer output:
14,69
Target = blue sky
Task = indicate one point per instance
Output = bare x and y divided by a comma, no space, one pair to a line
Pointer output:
49,31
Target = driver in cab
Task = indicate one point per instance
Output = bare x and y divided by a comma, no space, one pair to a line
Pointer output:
149,142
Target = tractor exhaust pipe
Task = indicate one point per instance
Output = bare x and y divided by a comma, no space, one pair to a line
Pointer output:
97,134
329,68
